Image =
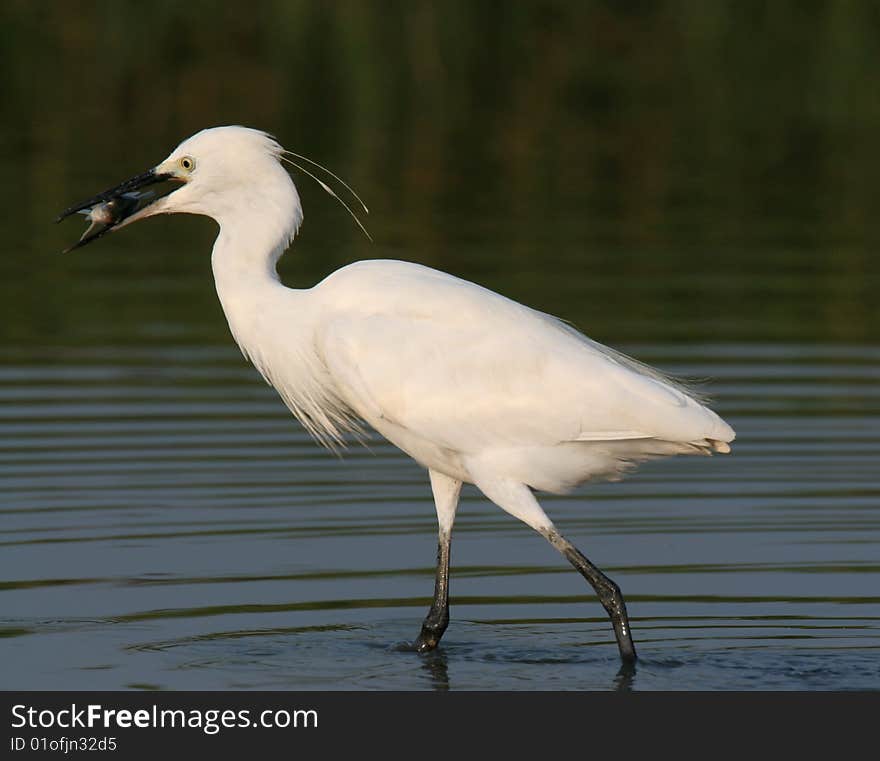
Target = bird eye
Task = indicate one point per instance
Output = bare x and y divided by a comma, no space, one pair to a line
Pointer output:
187,163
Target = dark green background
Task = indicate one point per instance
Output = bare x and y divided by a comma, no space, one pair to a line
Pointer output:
669,171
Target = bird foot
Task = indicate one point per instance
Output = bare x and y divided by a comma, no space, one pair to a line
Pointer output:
428,639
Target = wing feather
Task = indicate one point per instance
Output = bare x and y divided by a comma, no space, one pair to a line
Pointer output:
468,368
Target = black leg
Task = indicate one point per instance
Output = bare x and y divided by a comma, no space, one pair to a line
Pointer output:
607,591
438,616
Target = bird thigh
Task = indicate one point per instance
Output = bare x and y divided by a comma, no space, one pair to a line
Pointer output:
512,497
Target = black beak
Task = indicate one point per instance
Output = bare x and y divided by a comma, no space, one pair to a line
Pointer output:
107,209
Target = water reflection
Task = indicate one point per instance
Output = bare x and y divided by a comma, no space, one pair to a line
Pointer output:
436,666
625,678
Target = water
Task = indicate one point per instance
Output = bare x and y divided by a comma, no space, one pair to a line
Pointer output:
164,523
169,535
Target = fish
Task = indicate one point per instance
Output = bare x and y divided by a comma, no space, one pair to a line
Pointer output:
104,216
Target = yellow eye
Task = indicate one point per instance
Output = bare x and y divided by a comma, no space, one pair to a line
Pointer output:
187,163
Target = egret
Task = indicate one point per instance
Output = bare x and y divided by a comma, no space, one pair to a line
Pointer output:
475,387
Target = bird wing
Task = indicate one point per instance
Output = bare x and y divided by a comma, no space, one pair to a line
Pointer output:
469,369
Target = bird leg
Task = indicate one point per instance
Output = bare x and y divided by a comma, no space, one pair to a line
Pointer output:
446,492
607,591
438,616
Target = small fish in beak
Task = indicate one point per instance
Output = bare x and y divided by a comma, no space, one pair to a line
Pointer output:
106,215
117,206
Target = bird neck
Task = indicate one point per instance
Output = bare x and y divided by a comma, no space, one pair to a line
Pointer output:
257,223
245,256
244,261
274,326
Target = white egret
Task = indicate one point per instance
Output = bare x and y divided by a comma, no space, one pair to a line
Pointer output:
473,386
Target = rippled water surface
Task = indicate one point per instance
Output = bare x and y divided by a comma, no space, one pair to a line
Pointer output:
166,525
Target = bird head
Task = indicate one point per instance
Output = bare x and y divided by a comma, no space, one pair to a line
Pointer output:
222,172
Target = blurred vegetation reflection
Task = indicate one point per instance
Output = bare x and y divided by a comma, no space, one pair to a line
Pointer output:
669,171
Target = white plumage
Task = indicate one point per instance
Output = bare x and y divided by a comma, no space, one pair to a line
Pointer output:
475,387
450,371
